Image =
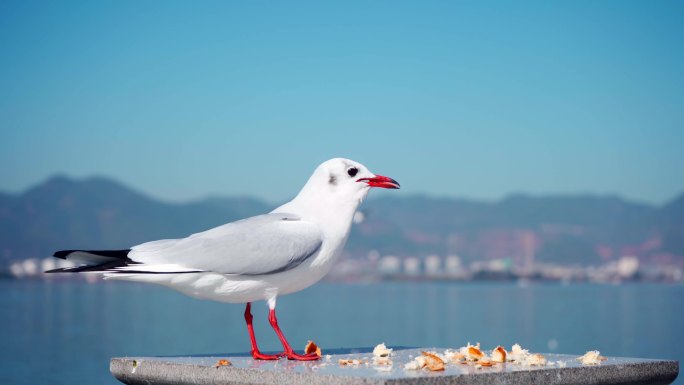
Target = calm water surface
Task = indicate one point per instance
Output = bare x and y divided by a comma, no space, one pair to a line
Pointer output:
64,332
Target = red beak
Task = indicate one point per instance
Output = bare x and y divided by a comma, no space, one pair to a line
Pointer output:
381,181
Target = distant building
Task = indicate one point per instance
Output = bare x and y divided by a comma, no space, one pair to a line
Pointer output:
373,256
412,266
452,265
627,266
34,267
389,265
433,265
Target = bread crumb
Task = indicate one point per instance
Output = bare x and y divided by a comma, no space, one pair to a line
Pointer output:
592,357
454,356
222,363
472,352
485,362
382,351
348,361
311,347
433,362
499,354
536,360
518,354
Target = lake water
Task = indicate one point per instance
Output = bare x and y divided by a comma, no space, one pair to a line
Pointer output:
64,332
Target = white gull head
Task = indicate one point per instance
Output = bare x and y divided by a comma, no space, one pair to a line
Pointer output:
335,190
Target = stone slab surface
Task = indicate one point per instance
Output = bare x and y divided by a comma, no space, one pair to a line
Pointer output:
244,370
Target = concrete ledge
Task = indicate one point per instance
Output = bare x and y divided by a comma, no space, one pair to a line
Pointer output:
244,370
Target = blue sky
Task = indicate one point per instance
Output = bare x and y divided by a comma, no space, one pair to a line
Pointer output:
471,99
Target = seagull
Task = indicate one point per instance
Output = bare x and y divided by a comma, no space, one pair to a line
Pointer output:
258,258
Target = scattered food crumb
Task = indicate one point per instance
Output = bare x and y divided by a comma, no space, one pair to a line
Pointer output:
433,362
382,351
592,357
518,354
499,354
348,361
536,360
474,353
471,355
485,362
311,347
454,356
222,363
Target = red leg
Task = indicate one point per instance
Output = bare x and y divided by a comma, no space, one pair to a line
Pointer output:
289,352
252,339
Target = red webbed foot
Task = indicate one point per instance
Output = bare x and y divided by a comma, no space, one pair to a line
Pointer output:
257,355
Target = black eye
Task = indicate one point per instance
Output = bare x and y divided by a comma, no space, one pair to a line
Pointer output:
352,171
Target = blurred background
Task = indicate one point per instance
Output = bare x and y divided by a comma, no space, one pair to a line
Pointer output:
538,145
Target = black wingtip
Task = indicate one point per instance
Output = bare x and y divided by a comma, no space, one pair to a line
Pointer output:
62,254
120,254
95,268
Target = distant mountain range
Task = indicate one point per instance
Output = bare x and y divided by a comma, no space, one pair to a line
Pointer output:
98,213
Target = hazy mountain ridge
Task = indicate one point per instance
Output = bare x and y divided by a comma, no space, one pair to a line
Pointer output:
63,213
581,229
97,212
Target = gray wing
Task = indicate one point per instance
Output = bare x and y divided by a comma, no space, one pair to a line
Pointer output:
263,244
